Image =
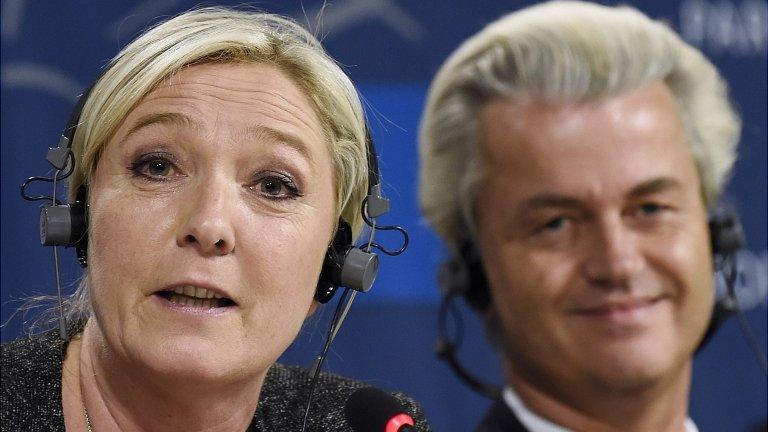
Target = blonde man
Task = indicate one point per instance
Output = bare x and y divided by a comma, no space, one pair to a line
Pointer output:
570,153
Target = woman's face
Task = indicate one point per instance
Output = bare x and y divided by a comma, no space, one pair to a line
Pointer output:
211,210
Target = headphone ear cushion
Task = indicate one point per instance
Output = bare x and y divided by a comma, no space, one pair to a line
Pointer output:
463,273
330,275
63,225
725,231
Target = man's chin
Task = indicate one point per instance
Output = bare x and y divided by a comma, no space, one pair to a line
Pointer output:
631,370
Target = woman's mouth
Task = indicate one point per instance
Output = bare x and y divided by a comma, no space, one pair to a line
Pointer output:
196,297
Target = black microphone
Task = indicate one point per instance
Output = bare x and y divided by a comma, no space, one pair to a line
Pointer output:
372,410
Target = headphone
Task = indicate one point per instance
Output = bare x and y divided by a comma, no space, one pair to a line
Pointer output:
345,264
463,275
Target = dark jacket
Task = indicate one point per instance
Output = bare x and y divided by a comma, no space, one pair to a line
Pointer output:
500,418
31,393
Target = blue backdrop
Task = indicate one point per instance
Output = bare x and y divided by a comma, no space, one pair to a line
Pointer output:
52,50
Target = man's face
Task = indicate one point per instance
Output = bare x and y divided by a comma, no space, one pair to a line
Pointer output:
594,238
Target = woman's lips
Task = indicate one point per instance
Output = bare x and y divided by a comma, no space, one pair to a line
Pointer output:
194,299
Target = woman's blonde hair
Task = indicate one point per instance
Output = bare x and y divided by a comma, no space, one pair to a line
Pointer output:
563,51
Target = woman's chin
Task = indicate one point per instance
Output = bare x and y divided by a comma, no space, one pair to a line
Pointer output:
194,360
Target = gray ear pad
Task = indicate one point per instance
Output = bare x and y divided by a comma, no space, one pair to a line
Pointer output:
345,266
66,225
359,270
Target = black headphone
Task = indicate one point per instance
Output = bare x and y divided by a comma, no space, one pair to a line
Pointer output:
345,265
463,275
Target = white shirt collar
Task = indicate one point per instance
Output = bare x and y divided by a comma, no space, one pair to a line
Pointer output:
535,423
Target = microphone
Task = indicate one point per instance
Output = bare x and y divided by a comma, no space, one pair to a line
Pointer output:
372,410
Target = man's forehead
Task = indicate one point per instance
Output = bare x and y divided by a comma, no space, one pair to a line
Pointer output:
597,150
545,121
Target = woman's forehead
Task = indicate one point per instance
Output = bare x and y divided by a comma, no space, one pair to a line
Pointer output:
251,99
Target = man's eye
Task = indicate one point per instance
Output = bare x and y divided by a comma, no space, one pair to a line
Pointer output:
554,225
650,209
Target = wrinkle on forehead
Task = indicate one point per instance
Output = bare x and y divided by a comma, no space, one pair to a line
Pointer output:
281,99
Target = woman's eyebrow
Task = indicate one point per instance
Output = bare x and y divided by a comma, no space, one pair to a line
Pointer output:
262,132
164,118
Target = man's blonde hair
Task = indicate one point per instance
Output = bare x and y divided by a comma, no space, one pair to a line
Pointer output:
563,51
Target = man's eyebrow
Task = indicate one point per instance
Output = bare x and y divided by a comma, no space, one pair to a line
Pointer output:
164,118
549,201
653,186
260,132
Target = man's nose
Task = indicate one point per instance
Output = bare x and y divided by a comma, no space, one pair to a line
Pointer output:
206,222
614,254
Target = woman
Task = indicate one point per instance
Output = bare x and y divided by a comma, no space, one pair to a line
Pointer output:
218,153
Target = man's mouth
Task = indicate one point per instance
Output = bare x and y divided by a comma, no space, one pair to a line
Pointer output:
631,311
193,296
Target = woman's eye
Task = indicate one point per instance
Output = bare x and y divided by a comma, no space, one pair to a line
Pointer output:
272,186
159,168
277,187
152,167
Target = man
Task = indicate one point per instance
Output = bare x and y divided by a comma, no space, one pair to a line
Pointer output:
575,151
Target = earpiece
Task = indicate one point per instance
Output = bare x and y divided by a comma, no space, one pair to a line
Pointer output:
64,224
67,225
463,274
346,265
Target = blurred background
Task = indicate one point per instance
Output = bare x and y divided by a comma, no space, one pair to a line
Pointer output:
391,48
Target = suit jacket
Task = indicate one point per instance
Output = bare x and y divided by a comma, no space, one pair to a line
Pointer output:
500,418
30,399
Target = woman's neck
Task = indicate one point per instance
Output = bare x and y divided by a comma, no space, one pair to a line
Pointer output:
122,396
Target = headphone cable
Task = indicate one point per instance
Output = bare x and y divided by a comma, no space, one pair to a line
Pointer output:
323,354
62,318
730,274
446,348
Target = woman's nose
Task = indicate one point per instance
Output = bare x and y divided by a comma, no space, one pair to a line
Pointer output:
207,224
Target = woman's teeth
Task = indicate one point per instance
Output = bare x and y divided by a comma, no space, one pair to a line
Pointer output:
196,302
189,295
192,291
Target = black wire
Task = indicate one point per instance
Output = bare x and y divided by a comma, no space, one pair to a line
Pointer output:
448,306
27,197
58,176
401,230
730,266
323,354
446,349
